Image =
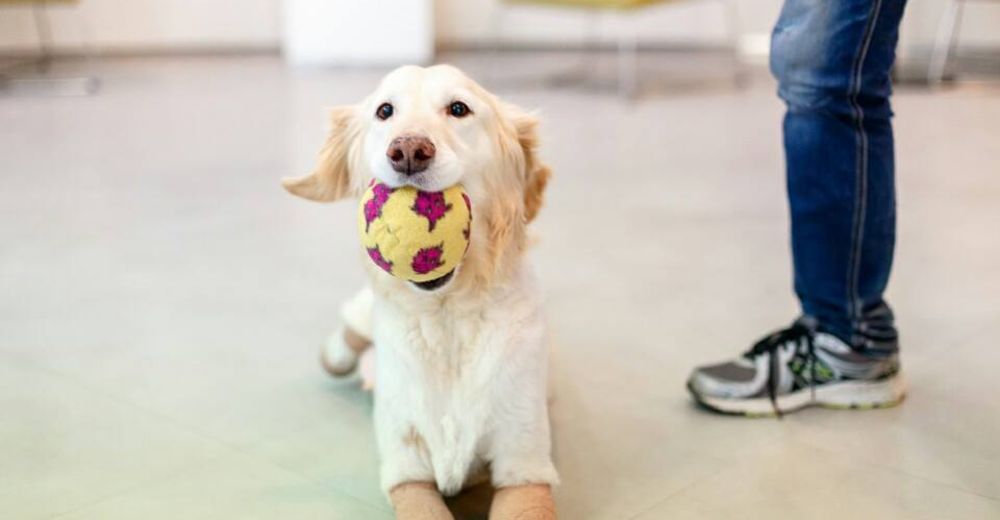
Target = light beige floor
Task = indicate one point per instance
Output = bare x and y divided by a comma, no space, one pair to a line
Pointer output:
161,301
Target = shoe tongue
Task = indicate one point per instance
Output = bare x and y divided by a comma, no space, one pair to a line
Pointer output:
807,321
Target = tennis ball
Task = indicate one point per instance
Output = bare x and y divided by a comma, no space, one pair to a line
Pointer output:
415,235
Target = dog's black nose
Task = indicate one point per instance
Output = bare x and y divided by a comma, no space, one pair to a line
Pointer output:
409,154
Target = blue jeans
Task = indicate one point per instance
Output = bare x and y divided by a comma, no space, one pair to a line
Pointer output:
832,59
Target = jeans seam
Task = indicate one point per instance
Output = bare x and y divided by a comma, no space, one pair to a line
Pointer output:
861,169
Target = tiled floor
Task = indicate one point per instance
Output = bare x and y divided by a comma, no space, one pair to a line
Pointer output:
161,300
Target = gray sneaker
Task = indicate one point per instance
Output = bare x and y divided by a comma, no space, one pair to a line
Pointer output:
795,368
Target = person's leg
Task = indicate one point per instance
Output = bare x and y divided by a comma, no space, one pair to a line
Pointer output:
833,61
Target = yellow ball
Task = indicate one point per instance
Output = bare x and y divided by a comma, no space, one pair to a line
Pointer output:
415,235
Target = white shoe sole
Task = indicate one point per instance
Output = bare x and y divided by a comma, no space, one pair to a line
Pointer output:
844,395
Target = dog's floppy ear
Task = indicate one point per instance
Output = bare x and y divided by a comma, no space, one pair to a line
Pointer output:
332,178
536,173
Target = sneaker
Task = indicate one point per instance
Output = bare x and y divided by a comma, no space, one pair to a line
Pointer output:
795,368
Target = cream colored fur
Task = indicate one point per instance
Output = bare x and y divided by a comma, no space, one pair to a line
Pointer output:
462,370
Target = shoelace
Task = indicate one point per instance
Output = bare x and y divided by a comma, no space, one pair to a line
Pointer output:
770,345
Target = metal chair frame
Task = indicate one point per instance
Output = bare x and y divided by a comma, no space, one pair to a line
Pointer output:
628,44
946,41
85,85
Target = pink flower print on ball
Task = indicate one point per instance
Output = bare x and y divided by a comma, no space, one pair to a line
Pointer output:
376,256
427,259
373,207
430,205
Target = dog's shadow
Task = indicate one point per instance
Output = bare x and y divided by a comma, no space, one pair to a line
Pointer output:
473,503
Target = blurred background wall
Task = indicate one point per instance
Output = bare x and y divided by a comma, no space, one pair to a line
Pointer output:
254,25
149,25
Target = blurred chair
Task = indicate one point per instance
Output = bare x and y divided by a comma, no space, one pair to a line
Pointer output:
628,47
947,40
42,62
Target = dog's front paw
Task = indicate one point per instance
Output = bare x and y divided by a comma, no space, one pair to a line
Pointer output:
528,502
339,356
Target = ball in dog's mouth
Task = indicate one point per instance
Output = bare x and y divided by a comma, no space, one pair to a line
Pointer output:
436,283
415,235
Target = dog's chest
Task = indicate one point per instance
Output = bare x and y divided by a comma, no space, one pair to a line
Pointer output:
447,373
453,392
453,346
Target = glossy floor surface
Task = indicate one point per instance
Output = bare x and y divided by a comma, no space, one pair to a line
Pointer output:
162,300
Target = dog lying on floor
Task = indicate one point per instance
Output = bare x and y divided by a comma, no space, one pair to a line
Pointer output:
462,363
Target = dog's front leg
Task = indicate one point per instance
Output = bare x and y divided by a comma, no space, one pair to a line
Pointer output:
419,501
521,461
405,471
524,479
528,502
339,356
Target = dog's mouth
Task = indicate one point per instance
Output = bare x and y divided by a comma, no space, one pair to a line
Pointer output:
436,283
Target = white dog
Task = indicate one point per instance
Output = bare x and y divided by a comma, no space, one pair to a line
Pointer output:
461,361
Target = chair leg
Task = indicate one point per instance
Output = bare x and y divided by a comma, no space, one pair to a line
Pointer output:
947,38
499,12
628,57
91,84
734,35
43,30
44,83
582,68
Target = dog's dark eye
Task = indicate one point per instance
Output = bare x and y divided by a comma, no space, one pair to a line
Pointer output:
459,109
384,111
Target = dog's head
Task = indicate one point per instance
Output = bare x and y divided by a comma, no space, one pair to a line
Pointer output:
432,128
